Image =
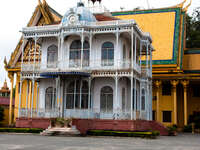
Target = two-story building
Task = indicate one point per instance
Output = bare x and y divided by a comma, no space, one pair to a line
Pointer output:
85,68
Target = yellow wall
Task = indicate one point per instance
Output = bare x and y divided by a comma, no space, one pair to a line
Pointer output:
161,27
24,96
165,103
191,62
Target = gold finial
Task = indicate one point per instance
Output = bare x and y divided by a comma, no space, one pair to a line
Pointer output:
39,2
180,5
44,1
186,8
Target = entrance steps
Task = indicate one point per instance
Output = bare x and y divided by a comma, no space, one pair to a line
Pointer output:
61,131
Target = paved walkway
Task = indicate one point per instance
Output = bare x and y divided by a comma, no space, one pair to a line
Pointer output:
37,142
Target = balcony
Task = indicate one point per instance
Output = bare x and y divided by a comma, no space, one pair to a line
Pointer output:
75,65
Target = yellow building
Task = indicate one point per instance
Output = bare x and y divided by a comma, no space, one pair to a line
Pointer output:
176,70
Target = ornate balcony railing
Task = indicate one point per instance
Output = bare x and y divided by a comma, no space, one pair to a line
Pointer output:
76,65
81,113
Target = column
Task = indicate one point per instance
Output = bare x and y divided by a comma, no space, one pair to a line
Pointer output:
174,84
81,85
158,85
20,97
131,98
90,55
33,87
135,99
11,77
29,97
185,86
37,98
116,95
82,46
89,96
116,58
132,47
27,92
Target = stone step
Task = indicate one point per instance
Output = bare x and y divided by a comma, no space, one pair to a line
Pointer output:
61,131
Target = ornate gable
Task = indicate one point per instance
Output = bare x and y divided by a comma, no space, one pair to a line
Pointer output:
43,15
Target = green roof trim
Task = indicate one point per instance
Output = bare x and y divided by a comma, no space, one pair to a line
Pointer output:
176,30
182,40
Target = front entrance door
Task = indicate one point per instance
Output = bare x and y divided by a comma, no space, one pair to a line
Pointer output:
106,103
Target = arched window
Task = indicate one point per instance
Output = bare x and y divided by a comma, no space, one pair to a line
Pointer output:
52,56
143,99
107,54
75,53
74,90
50,98
106,102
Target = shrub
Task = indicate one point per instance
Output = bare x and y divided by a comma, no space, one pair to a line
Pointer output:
21,130
172,130
151,135
187,128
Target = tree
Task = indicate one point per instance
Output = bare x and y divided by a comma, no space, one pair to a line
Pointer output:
1,113
193,29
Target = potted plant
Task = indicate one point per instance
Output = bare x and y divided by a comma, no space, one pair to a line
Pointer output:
172,130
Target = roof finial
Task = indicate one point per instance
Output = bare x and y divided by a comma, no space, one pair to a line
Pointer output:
39,2
44,1
186,8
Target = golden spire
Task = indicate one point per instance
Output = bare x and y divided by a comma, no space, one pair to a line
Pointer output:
44,1
180,5
39,2
186,8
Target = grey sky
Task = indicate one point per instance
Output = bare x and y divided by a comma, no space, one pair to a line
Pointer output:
15,14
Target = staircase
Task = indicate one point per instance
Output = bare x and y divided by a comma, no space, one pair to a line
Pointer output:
58,131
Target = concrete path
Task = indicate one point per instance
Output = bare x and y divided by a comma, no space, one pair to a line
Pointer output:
37,142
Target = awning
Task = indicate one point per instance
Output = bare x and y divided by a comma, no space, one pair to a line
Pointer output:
56,74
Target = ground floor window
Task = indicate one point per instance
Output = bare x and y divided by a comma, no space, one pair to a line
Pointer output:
167,116
76,95
50,98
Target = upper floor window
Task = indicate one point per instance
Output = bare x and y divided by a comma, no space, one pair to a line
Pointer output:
75,53
52,56
107,54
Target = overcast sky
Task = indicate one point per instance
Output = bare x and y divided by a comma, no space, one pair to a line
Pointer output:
15,14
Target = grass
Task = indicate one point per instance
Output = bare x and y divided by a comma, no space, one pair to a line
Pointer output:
148,134
21,130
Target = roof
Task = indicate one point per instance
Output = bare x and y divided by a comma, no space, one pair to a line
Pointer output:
103,17
6,101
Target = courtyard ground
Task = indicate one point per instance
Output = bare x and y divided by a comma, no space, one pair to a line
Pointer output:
37,142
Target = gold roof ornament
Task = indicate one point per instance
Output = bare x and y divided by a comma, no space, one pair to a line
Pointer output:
180,5
186,8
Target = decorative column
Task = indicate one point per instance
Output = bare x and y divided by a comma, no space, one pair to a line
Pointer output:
33,87
158,84
132,50
90,54
135,99
27,92
131,97
37,97
116,95
82,46
116,58
174,84
185,86
11,77
89,96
